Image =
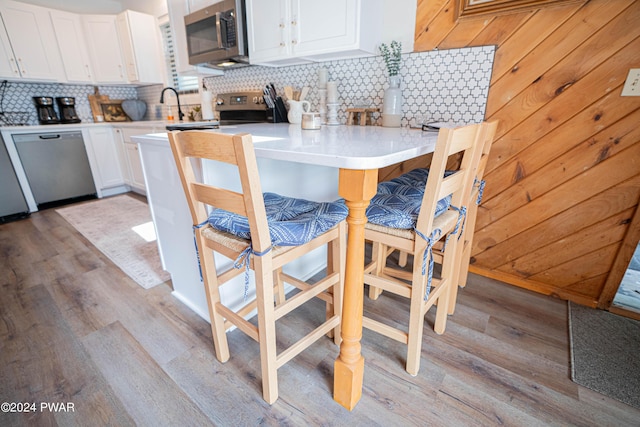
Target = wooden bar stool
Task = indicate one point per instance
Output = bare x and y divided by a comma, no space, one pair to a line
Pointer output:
412,217
262,232
363,116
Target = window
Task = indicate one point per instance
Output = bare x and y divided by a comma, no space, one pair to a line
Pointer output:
183,84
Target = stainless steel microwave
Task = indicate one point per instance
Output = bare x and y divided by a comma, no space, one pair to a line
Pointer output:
217,35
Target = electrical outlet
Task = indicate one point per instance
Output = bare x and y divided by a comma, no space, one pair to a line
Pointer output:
632,84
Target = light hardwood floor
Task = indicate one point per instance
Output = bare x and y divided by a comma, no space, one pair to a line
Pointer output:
75,329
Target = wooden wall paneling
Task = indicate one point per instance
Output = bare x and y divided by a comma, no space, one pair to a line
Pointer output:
595,180
389,172
590,286
584,125
434,20
528,36
538,287
576,244
463,33
491,254
579,27
564,166
576,69
607,143
501,28
560,109
593,264
627,248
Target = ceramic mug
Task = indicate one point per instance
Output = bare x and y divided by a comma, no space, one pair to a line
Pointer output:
296,108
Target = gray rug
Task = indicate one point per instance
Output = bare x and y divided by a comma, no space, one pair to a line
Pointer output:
121,228
605,353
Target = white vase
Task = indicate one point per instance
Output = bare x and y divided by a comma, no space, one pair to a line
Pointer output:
392,103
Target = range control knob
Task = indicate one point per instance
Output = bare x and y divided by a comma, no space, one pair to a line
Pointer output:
219,101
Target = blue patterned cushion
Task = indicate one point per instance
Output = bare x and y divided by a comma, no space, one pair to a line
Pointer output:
292,222
397,202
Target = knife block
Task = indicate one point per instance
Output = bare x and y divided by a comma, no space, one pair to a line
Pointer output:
278,114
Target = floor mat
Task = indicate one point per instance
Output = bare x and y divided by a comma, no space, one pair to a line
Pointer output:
121,228
605,353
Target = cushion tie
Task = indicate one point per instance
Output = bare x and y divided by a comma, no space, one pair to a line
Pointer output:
244,259
480,183
431,240
462,217
202,224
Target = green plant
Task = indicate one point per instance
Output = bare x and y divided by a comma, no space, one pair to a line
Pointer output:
392,57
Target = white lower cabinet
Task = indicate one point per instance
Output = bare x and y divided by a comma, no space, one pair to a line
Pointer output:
105,159
132,165
135,165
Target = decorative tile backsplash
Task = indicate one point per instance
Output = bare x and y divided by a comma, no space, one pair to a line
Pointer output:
445,85
17,98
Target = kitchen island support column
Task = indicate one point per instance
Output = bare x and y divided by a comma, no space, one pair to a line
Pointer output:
357,187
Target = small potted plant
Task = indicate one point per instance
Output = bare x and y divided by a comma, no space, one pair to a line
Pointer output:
392,102
392,57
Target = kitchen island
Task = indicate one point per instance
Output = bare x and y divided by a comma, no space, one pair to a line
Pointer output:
334,161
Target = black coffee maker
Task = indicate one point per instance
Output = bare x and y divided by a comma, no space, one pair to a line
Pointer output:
46,113
67,108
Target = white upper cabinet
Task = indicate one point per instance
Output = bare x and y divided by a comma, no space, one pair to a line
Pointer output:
140,40
71,40
29,48
286,32
43,44
104,48
8,64
200,4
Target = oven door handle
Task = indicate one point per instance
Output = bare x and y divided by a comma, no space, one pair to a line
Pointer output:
49,136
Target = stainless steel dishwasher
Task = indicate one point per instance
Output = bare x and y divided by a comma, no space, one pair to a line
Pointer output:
56,166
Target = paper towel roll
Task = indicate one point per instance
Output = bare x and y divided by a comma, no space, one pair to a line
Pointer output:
206,104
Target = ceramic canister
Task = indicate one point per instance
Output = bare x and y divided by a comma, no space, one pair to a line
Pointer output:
311,120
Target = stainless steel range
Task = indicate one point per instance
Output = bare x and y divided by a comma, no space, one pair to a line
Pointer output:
233,108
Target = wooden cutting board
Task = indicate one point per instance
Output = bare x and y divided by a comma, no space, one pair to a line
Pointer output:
94,101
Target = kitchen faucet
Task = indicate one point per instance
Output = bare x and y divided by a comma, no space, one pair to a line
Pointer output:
180,114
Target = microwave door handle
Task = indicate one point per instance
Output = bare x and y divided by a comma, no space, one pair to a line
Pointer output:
219,30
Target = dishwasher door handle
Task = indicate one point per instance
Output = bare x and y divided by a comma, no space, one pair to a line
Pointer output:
49,136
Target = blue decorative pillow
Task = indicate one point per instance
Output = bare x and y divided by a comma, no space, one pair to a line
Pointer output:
292,222
397,202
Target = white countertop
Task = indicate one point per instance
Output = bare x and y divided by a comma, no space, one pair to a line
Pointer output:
76,126
348,147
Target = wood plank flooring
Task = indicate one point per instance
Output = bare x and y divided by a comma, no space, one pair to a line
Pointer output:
75,329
